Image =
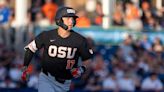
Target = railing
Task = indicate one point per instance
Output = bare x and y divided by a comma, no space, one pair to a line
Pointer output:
117,35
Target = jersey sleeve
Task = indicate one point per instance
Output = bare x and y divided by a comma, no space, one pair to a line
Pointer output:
85,51
40,40
37,43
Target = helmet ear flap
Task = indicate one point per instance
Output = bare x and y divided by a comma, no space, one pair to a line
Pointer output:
59,22
74,21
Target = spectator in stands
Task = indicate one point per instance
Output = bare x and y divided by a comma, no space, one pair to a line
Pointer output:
110,83
150,24
3,72
158,54
83,21
151,17
15,73
145,43
118,15
33,80
132,17
126,83
49,10
40,22
148,20
99,14
145,6
18,60
4,12
143,66
8,83
127,50
118,68
100,67
152,83
35,8
6,58
157,45
94,84
161,18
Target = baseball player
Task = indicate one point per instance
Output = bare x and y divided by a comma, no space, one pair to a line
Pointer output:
62,49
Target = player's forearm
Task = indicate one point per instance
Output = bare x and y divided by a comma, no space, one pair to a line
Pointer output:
77,72
27,57
86,63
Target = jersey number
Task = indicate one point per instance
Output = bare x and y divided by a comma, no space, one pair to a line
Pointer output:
70,64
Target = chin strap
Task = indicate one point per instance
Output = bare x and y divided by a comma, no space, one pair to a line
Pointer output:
61,24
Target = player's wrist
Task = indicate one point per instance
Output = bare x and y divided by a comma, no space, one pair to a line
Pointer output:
25,74
82,69
77,72
24,68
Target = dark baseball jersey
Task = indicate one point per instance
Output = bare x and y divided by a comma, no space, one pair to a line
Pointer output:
61,54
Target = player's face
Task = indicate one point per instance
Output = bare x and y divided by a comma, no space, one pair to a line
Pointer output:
69,21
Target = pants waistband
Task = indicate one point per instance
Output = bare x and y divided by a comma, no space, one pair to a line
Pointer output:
60,80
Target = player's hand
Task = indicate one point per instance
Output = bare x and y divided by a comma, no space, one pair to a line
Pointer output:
25,74
77,72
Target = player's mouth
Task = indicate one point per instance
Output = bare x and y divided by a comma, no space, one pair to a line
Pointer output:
70,25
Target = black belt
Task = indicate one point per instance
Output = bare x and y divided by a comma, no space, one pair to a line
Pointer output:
56,78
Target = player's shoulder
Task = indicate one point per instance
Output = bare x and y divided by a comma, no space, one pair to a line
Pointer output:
77,35
48,32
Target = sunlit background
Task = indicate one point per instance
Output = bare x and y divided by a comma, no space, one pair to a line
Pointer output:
127,37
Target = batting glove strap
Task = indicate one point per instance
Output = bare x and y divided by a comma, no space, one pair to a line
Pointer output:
83,69
24,68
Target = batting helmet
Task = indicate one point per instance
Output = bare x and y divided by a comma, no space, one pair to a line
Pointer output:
65,12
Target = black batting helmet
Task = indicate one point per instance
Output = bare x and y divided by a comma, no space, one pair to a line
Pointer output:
64,12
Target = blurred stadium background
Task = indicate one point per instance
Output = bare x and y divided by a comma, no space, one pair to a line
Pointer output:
127,37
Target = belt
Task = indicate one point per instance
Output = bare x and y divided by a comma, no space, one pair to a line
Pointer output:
60,80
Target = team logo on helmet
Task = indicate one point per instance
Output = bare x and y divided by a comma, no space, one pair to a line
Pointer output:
70,11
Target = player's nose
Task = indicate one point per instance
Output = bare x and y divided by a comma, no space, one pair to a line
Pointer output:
71,20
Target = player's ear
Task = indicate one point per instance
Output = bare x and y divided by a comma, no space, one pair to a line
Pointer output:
74,21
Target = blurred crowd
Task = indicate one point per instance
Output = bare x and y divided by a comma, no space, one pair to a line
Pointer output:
133,65
142,15
129,66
